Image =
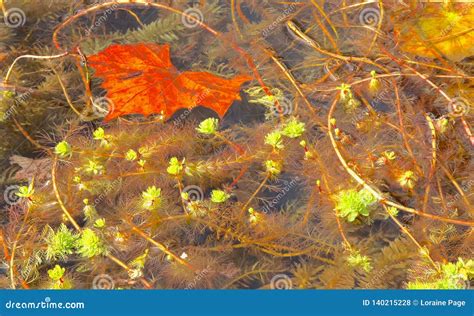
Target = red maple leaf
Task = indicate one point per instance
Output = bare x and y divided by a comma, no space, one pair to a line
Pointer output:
140,79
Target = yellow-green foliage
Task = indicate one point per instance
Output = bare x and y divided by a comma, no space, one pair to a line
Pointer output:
278,185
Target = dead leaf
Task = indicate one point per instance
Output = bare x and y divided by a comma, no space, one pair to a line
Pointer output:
31,168
140,79
440,31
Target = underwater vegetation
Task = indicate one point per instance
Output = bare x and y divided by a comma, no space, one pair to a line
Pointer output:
230,144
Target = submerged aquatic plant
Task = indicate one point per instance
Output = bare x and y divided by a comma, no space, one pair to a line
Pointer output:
451,276
151,198
26,191
208,126
89,244
219,196
63,149
175,166
327,162
61,243
351,204
355,259
274,139
57,277
293,128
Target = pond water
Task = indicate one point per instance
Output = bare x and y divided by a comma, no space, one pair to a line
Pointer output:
236,144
